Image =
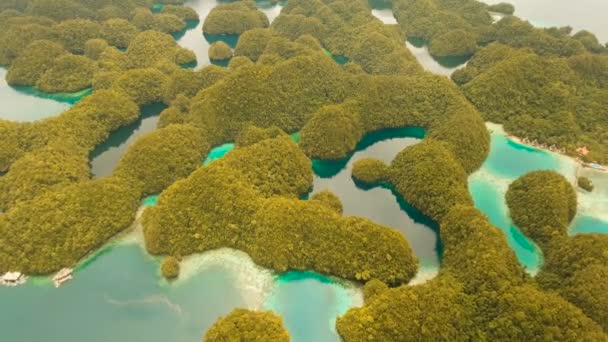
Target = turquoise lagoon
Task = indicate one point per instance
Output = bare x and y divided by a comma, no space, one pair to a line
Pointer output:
509,160
302,299
119,296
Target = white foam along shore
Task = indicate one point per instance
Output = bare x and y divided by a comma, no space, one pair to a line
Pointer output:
254,282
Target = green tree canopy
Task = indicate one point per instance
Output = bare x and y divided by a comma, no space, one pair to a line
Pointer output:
69,73
234,18
248,326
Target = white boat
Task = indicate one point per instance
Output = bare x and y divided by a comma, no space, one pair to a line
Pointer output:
13,279
597,167
65,274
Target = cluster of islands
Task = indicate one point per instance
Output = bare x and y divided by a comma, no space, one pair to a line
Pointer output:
305,170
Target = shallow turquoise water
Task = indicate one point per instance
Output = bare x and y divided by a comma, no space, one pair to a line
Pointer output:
338,59
506,162
511,160
490,201
218,152
118,297
302,299
586,224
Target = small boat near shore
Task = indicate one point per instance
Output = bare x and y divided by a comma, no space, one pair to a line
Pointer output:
12,279
596,167
64,275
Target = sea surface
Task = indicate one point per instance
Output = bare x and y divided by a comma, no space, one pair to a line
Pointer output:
119,295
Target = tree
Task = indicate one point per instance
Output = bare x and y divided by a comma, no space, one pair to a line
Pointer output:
93,48
183,12
370,171
429,177
503,7
170,267
35,60
161,157
151,47
248,326
234,18
75,33
219,51
585,183
118,32
69,73
331,133
542,205
144,86
329,199
453,43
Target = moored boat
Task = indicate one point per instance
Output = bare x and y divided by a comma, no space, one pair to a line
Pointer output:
13,279
62,276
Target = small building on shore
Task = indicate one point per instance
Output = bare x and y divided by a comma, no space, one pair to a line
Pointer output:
583,150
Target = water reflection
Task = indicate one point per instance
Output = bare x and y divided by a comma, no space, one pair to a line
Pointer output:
194,39
438,65
587,15
106,155
28,104
381,204
383,10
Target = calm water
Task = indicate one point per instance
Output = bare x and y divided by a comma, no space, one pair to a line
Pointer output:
302,299
27,104
194,39
381,204
509,160
119,294
506,162
119,297
444,66
582,14
383,10
107,154
587,224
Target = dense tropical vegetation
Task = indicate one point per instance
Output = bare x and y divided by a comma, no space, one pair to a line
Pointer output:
248,326
555,101
170,267
543,203
544,84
